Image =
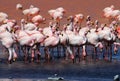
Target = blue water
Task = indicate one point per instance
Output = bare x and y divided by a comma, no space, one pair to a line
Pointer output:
83,71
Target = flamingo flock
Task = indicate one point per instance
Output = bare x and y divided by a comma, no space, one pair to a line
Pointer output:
71,36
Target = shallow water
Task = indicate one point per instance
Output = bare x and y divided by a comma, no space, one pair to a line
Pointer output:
85,70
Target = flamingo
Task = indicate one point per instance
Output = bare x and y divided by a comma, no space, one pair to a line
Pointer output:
3,16
31,38
48,31
74,38
118,17
90,34
28,26
107,35
24,38
38,19
61,9
19,6
110,13
7,40
32,11
9,24
57,14
116,43
38,39
51,41
78,19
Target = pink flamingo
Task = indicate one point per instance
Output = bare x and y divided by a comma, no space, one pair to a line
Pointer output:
7,40
51,41
28,26
57,14
110,13
78,19
3,16
26,37
38,19
19,6
9,24
107,35
30,12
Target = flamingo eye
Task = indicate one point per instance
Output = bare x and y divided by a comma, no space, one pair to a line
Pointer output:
51,26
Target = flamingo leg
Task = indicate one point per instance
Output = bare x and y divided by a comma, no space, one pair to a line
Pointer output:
10,55
14,54
110,52
38,54
47,54
71,53
84,54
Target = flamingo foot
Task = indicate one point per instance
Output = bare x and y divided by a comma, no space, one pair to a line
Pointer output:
14,59
105,58
9,61
38,58
115,52
84,57
38,61
72,57
32,59
47,57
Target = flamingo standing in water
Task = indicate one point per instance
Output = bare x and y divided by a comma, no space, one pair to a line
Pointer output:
51,41
107,35
7,40
30,37
90,34
74,38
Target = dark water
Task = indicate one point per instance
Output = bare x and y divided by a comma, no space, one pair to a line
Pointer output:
85,70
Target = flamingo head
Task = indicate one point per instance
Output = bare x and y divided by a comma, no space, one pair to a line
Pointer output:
40,29
70,18
112,6
88,18
64,27
23,21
